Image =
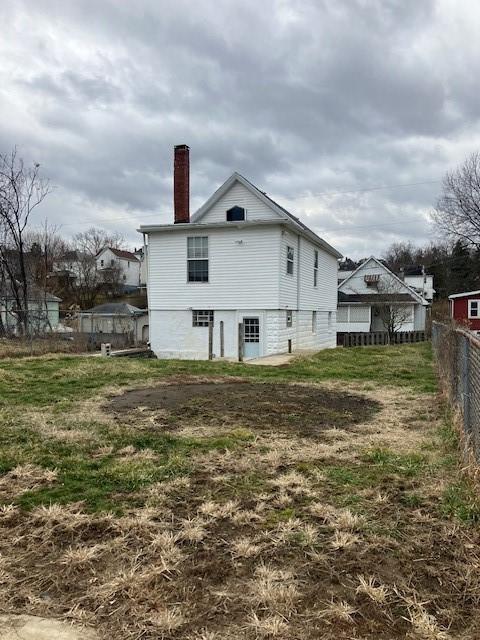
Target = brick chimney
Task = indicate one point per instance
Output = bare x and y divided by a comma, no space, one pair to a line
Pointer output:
181,183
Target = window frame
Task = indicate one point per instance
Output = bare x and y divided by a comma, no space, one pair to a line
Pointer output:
290,260
315,267
208,317
236,206
289,318
196,259
477,302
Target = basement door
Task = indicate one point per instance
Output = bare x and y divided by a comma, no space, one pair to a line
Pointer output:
251,338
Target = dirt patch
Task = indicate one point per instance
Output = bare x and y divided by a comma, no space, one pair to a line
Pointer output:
36,628
300,409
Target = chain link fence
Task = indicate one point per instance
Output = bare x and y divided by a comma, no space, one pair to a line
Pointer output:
457,352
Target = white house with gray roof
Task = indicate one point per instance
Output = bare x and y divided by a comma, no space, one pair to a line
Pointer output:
241,258
364,293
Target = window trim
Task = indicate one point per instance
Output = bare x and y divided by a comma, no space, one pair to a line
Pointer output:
239,207
290,260
470,316
205,322
196,259
289,318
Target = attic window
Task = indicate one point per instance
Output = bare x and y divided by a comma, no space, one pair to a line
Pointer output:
235,214
372,279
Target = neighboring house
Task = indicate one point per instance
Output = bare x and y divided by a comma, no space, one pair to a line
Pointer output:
115,318
242,258
69,265
43,311
420,282
365,293
141,255
126,262
465,309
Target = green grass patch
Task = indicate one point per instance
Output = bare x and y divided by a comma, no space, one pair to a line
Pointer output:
56,382
461,500
408,465
110,482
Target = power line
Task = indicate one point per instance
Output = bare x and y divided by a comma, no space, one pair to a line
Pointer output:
387,186
312,195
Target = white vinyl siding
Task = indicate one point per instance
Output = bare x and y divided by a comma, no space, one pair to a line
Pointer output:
240,196
324,295
243,270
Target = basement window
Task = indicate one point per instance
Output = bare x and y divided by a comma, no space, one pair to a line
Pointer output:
290,258
197,259
202,318
474,308
235,214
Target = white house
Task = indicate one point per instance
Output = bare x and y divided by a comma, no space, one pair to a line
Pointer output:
364,293
422,283
43,311
241,259
127,263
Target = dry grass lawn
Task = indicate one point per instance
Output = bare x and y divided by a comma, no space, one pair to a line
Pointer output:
215,507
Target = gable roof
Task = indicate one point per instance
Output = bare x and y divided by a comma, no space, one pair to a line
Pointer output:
464,294
120,253
409,291
282,213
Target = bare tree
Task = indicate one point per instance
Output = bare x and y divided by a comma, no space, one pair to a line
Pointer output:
393,314
93,240
457,213
89,282
21,191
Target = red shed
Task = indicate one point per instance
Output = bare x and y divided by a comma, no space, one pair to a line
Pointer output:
465,309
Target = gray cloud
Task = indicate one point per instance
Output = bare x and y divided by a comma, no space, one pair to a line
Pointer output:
303,97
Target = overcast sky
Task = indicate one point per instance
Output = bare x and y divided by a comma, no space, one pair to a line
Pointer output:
314,101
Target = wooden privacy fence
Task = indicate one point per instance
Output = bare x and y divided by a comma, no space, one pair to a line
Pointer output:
378,338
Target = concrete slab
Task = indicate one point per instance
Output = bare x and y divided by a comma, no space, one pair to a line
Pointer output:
272,361
36,628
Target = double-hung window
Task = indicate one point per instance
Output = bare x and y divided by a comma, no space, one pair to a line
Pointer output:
315,268
197,259
474,308
289,318
290,258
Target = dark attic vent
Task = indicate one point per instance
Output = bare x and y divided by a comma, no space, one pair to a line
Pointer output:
235,214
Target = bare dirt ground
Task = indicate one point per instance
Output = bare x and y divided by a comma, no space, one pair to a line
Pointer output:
287,408
323,516
35,628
